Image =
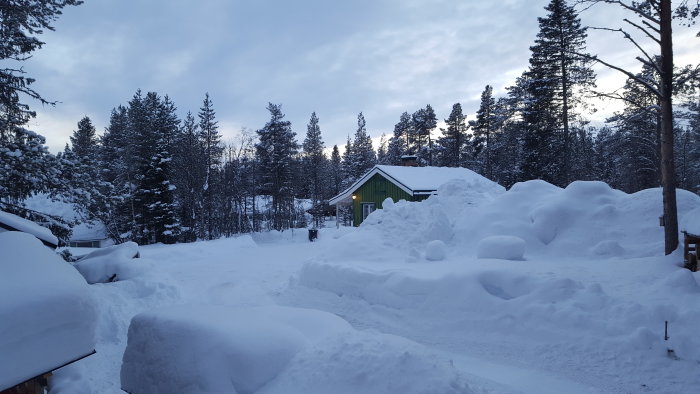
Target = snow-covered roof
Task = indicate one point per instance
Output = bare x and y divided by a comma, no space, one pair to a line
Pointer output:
413,180
690,222
89,231
12,222
48,312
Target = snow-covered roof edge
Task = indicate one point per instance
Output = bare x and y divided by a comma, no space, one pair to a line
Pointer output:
377,169
13,222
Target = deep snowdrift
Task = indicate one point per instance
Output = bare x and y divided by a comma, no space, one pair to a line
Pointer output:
535,290
48,316
200,349
585,219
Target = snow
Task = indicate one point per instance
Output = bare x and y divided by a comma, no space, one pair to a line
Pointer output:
213,349
424,180
28,226
690,222
112,263
504,247
88,231
435,250
582,310
48,313
431,178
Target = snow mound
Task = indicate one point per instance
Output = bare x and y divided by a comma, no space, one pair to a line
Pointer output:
608,248
48,314
585,219
435,250
502,247
364,363
111,264
207,349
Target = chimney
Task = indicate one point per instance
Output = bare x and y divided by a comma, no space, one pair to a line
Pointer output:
409,161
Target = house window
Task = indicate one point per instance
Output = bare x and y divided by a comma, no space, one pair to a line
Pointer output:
367,208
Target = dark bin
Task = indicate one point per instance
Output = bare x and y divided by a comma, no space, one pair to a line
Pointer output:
313,234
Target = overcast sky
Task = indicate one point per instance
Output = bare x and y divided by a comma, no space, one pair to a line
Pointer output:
381,57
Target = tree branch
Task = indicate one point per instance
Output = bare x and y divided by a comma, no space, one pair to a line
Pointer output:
634,77
644,31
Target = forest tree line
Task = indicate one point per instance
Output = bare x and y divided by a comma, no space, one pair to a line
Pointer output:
153,177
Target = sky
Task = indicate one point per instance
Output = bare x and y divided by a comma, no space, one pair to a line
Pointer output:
337,58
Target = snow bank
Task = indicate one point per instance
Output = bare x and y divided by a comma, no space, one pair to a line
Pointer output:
111,263
48,315
28,226
506,302
584,219
503,247
207,349
367,363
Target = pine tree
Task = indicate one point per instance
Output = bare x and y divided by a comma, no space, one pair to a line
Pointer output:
453,139
347,164
639,130
213,152
80,170
423,122
398,142
336,172
275,152
383,151
363,157
20,24
557,77
484,132
84,140
314,167
189,175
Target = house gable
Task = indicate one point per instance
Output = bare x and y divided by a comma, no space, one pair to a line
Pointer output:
375,190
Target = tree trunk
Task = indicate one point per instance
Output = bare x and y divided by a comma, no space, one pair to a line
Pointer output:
668,172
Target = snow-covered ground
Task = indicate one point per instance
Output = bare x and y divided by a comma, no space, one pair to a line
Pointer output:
534,290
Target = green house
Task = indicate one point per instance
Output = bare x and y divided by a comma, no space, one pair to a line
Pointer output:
398,182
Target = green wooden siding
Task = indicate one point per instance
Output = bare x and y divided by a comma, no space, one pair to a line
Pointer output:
376,190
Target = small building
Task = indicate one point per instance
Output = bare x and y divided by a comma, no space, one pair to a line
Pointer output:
89,235
408,183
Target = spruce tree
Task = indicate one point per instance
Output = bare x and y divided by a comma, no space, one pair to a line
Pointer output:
189,175
453,139
363,156
398,142
336,172
275,152
213,151
314,163
483,132
556,80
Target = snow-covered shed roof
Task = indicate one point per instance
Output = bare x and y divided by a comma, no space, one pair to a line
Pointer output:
12,222
413,180
48,311
88,231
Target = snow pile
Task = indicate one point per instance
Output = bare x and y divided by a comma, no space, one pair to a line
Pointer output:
503,247
435,250
215,349
27,226
367,363
583,219
504,301
48,315
111,264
